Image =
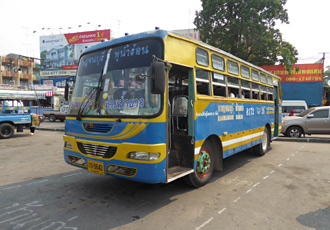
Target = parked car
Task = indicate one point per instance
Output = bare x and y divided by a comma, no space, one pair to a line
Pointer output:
312,121
54,115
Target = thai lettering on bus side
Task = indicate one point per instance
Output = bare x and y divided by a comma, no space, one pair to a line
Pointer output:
250,112
126,51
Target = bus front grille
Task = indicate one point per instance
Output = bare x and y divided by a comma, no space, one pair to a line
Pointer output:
103,151
97,127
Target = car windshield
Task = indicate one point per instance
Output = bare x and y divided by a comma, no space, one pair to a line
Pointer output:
305,112
116,81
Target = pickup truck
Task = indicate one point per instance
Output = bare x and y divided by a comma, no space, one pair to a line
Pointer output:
54,115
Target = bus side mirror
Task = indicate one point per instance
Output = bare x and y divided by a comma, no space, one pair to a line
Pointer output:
157,77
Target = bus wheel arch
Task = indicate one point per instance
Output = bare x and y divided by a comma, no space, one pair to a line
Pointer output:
263,147
206,163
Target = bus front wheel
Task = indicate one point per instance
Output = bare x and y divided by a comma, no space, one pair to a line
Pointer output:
204,167
6,130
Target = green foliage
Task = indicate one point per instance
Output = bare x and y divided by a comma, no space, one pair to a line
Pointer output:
246,29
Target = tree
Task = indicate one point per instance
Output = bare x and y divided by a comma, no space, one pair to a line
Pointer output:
246,29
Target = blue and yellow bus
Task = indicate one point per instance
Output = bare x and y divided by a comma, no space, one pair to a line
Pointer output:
158,106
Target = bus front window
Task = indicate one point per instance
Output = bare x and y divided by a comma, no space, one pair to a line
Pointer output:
116,81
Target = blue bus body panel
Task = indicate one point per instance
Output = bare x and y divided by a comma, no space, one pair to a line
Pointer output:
223,119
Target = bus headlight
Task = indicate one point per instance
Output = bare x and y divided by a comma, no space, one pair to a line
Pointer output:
143,156
67,145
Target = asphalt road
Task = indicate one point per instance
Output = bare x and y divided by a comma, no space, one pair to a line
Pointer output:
288,188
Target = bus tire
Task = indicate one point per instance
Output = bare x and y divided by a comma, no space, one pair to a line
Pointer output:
204,167
263,147
6,130
52,118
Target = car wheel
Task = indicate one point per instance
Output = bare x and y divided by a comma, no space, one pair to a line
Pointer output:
6,130
294,131
204,167
52,118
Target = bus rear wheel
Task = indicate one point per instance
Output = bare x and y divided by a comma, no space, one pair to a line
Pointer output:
263,147
204,167
6,130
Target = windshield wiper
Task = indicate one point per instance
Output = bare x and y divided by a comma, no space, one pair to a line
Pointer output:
81,109
89,96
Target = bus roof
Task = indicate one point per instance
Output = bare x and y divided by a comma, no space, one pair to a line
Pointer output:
162,34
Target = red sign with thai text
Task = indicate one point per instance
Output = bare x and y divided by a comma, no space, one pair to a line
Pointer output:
87,37
69,67
300,72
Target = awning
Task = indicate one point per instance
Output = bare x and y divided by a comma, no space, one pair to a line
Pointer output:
44,93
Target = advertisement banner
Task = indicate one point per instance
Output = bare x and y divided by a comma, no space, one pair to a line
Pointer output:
55,82
60,53
300,72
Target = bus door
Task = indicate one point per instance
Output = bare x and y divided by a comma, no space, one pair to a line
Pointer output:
180,160
277,111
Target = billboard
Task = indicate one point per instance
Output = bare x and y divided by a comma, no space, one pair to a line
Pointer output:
55,82
305,83
300,72
60,53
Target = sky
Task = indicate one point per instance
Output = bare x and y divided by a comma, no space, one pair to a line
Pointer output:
22,22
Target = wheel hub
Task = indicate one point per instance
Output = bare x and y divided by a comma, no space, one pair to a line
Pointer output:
203,163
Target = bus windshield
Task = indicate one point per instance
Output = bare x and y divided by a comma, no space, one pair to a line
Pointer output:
116,81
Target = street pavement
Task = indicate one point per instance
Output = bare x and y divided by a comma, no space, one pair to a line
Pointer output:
51,126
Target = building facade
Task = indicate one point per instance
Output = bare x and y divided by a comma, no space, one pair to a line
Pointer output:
19,70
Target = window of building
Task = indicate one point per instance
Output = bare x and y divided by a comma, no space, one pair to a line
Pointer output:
219,84
202,57
203,82
218,62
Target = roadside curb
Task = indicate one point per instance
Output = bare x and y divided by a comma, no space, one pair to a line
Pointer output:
303,139
50,129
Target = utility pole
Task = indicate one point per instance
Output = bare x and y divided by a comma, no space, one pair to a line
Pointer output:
323,58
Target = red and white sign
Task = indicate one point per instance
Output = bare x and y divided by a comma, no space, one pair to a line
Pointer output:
60,53
300,72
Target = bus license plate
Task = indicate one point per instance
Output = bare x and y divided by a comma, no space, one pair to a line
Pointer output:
96,167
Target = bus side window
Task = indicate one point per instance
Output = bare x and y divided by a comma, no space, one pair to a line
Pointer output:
263,92
202,82
233,87
270,93
219,84
246,89
255,91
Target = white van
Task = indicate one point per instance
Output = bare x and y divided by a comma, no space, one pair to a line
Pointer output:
293,107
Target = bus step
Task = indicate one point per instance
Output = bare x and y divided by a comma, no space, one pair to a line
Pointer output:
177,172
